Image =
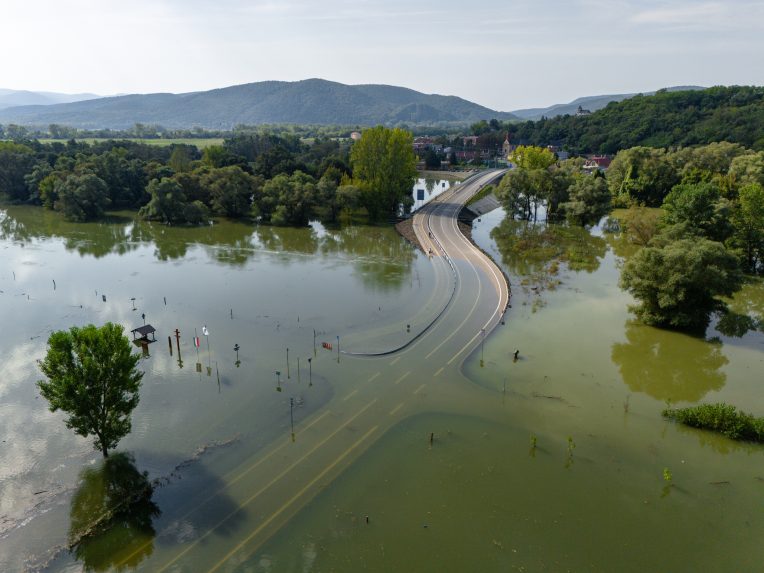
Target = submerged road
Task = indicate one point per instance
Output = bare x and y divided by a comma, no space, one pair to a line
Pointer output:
260,489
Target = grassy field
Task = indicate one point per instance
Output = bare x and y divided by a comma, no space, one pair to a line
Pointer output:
201,143
450,175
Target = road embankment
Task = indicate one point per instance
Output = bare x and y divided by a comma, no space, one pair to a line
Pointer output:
406,229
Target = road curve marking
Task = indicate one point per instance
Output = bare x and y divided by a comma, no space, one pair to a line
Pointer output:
438,372
398,407
394,361
294,498
419,389
374,377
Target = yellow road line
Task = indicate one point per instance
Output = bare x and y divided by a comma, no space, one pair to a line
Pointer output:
270,454
438,372
353,393
398,381
266,487
420,388
374,377
394,410
294,498
394,361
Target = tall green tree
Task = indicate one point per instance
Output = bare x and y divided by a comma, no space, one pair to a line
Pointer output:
518,192
92,376
384,167
532,157
16,161
700,208
677,285
748,222
642,175
231,190
589,200
82,197
747,169
167,202
289,200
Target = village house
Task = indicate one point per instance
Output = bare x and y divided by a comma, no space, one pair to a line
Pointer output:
596,163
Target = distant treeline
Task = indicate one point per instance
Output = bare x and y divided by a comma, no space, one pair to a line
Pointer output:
274,178
666,119
14,132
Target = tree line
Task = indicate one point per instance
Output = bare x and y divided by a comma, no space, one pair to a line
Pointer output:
274,178
664,120
697,213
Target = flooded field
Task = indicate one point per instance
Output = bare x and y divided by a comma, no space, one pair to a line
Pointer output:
553,462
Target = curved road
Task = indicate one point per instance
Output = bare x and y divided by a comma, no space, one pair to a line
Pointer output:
260,489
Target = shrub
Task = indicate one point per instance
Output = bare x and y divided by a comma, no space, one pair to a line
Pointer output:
721,418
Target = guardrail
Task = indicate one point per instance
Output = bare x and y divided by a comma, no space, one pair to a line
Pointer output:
450,262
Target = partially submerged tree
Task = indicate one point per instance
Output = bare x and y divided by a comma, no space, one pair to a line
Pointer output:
588,202
677,285
92,376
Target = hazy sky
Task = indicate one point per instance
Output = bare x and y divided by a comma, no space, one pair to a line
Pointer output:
505,54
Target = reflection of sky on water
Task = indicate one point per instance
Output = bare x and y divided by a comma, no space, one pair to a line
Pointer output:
280,283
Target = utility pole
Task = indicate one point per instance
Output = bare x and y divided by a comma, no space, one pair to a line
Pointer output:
291,415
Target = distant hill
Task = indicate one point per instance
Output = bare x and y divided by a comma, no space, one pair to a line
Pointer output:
313,101
666,119
10,98
592,103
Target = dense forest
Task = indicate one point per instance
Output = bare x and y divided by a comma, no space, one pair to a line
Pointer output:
708,232
278,179
666,119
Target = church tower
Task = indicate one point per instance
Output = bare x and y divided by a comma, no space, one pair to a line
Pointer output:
506,147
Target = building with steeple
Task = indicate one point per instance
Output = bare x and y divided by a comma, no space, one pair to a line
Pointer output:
506,147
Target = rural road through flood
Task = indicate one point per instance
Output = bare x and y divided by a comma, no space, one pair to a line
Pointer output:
261,489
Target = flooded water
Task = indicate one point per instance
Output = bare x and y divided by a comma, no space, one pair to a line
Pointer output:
553,462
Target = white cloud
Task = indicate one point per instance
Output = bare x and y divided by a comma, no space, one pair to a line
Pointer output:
688,14
438,46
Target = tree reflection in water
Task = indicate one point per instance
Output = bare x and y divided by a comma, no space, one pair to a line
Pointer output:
111,516
383,259
527,248
669,365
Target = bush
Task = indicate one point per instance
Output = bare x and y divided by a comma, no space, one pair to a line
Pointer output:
721,418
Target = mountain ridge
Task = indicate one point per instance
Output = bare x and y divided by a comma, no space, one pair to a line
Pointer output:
15,98
311,101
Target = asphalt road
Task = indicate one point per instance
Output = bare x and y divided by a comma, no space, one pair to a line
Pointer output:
260,488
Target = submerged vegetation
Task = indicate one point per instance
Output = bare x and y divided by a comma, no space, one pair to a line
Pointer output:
721,418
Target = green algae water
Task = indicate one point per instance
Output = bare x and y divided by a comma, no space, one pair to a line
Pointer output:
562,469
553,462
